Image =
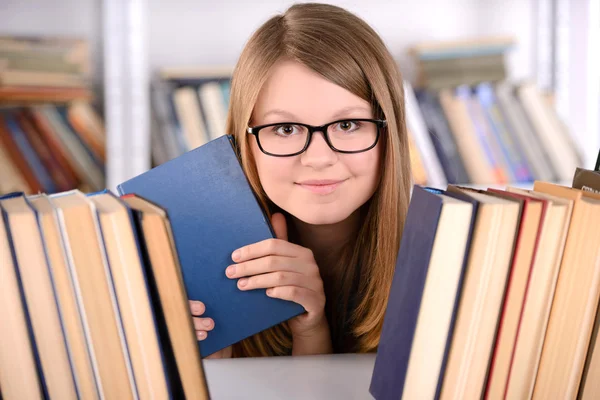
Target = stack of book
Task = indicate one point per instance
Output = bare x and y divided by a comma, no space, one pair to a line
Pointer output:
473,124
95,287
51,138
189,109
95,305
495,295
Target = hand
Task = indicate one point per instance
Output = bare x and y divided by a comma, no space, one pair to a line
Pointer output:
203,326
289,272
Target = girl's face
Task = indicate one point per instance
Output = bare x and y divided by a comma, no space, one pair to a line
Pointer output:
319,186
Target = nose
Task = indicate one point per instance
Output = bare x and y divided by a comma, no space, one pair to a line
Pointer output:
318,155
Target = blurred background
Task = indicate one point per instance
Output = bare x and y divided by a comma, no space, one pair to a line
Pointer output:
94,92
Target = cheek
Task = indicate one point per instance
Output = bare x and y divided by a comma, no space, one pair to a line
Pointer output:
274,173
364,166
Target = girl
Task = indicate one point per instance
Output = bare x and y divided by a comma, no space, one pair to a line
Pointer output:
317,109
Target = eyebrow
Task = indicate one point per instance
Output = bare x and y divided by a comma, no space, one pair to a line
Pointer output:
339,114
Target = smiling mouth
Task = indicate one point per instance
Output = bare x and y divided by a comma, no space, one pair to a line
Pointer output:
320,186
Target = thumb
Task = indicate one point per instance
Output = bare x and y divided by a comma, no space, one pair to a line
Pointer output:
279,226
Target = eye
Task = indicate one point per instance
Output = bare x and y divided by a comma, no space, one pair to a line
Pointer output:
347,126
286,130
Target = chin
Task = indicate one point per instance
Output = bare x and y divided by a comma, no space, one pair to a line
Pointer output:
319,215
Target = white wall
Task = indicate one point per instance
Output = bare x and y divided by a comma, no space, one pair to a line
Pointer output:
187,32
192,32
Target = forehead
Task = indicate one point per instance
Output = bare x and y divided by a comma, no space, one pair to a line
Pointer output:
294,90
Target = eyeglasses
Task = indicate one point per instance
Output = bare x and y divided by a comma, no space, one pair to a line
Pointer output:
285,139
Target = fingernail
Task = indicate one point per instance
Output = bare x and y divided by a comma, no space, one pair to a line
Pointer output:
201,335
230,271
207,322
243,282
269,291
236,255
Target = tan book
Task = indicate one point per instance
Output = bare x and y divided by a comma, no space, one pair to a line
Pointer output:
13,77
524,256
557,142
39,296
461,126
18,373
73,326
540,291
190,116
482,295
11,179
575,298
166,272
589,388
95,294
133,296
419,173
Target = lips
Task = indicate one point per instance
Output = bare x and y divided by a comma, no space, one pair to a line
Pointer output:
321,186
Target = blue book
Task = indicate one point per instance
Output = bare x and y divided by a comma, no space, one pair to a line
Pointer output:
424,296
213,211
34,161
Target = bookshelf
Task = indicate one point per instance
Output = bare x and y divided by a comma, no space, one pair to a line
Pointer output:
131,40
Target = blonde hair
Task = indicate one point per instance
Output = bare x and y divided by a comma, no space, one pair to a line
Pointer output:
345,50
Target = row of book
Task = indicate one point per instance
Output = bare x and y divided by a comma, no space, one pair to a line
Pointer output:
189,109
473,124
44,67
51,148
51,137
503,300
441,64
487,133
94,304
95,286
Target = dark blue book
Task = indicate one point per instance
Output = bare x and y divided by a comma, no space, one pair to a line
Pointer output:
441,137
213,211
424,296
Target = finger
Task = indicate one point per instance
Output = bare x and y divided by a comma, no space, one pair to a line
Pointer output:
279,278
309,299
279,226
270,247
266,264
197,307
201,335
203,324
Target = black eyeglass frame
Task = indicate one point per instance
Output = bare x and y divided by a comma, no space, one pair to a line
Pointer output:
381,123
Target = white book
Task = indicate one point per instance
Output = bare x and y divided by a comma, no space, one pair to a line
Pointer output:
416,124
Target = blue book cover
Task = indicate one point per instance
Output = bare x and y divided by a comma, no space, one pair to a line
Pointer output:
513,155
393,353
213,211
406,294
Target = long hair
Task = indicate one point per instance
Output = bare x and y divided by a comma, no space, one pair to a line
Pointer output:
346,51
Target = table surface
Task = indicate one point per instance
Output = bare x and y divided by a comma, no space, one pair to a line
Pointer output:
335,376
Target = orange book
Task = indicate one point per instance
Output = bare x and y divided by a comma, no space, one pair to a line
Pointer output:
528,235
575,298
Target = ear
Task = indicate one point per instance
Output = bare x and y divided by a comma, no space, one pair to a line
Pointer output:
279,226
